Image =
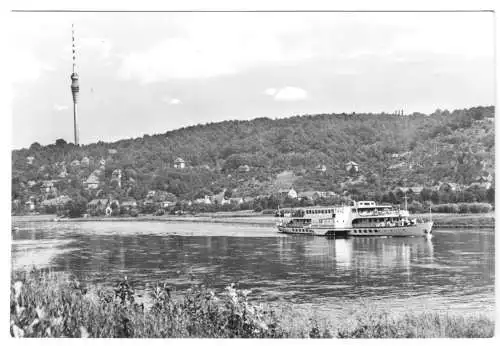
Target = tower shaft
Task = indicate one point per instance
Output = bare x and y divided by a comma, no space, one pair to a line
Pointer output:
75,124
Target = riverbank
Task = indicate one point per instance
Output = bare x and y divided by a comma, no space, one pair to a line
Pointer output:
54,305
483,220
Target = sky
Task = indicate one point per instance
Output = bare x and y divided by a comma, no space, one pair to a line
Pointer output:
148,73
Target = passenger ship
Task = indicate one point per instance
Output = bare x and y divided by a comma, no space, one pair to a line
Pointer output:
364,218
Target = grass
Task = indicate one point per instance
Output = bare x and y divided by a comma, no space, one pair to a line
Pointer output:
46,304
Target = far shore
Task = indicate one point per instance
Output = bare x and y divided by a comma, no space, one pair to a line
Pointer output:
482,220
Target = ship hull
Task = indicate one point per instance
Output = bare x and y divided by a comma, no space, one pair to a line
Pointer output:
417,230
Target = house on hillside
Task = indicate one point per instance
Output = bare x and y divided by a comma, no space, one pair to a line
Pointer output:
485,185
92,181
85,161
58,202
351,166
30,205
117,176
48,187
236,200
290,193
320,169
248,199
220,198
205,200
63,173
244,168
448,187
102,163
314,195
179,163
97,206
415,189
399,165
484,181
484,178
29,160
112,205
167,204
308,195
75,163
400,155
112,151
129,204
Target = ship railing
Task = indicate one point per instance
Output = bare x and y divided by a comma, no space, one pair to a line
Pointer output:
379,213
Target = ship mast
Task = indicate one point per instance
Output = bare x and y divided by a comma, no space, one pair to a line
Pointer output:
75,87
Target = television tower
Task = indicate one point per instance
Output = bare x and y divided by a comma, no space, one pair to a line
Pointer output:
75,86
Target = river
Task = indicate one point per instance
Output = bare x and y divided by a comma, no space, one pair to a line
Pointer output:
454,271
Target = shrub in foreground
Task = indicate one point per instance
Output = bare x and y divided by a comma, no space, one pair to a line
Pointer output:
53,305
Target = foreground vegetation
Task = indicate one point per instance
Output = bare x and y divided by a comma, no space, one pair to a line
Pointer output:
46,304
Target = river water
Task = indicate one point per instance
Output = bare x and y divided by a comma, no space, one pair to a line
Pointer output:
452,272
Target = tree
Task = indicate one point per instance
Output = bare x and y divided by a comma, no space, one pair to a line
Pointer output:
60,142
35,146
425,194
490,195
76,207
435,197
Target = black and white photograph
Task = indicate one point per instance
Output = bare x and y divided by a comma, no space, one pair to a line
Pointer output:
251,173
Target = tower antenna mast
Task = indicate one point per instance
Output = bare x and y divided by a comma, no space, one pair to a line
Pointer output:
75,86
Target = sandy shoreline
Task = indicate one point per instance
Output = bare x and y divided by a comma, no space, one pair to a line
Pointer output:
255,219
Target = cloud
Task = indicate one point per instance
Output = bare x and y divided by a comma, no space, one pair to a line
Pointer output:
287,93
60,108
25,66
212,46
175,102
270,91
171,100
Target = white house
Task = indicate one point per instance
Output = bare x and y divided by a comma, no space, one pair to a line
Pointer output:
351,165
292,193
117,176
244,168
179,163
92,181
320,168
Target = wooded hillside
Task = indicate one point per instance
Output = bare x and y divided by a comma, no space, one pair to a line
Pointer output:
390,150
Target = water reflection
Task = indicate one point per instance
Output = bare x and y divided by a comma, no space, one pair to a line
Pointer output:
449,268
356,253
